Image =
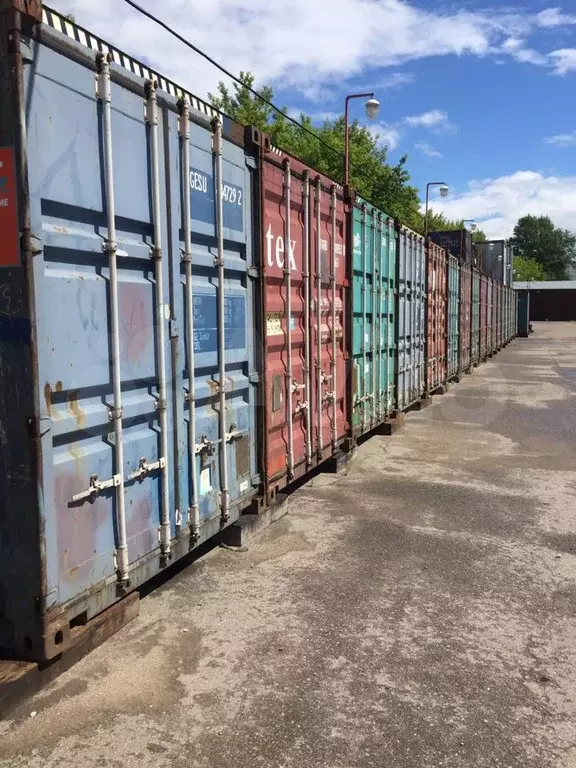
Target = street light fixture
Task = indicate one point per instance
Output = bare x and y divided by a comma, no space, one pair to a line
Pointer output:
372,108
473,226
444,189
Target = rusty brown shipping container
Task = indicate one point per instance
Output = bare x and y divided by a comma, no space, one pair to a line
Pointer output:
304,286
483,317
437,306
465,316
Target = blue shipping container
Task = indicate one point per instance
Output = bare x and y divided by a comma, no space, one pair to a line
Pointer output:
128,399
411,316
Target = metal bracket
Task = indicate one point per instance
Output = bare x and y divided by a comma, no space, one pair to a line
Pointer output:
97,486
145,469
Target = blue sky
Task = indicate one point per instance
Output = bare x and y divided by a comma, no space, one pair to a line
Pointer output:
478,95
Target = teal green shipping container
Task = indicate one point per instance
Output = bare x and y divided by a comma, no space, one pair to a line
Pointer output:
453,316
374,250
475,329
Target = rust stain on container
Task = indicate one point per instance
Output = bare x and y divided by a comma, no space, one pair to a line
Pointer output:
75,409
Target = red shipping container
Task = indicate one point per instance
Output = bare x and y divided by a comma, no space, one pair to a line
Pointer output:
465,316
437,297
483,317
304,299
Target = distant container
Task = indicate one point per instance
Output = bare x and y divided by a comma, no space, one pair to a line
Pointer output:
523,314
496,260
457,241
453,320
475,323
304,299
483,317
436,325
494,318
465,316
411,317
374,253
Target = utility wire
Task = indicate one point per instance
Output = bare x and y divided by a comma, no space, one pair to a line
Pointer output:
236,79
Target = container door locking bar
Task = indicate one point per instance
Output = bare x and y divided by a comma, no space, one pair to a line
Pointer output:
97,486
145,469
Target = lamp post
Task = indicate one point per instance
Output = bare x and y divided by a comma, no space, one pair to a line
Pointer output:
472,222
444,189
372,107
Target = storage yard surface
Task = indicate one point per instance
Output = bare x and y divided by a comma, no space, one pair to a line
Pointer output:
417,610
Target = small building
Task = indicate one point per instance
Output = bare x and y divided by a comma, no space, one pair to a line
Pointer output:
550,299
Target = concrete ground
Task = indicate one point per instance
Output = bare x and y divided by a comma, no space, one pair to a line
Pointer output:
417,610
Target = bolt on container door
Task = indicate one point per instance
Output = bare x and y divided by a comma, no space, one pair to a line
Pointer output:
374,250
483,317
453,345
304,298
127,197
436,314
465,315
411,317
475,320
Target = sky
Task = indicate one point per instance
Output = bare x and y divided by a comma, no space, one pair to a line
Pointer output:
478,95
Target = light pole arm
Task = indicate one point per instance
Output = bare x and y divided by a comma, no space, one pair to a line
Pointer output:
347,132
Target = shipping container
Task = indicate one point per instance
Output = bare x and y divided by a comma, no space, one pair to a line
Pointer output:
373,243
457,241
411,323
475,319
494,321
496,260
453,320
304,294
483,317
437,305
127,349
499,289
465,317
517,313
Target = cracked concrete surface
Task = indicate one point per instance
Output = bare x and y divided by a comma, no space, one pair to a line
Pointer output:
416,611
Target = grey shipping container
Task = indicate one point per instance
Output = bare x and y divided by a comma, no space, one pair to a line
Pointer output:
127,392
457,241
411,323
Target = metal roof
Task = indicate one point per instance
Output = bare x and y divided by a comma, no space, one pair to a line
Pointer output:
546,285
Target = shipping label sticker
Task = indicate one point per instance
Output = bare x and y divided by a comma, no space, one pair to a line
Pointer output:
274,324
9,232
205,481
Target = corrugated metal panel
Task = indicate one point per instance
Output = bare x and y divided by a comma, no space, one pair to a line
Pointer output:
494,319
411,317
483,317
304,300
123,485
374,254
475,326
465,315
453,316
437,308
457,241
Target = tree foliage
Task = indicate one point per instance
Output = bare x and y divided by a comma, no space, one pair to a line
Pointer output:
528,269
554,249
386,186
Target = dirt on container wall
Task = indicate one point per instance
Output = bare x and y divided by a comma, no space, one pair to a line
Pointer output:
437,308
304,300
465,316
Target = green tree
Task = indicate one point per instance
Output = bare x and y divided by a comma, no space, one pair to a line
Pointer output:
527,269
536,237
386,186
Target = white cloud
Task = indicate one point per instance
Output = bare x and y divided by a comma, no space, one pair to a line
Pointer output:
562,139
435,119
517,49
298,43
497,204
564,60
427,150
553,17
387,135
